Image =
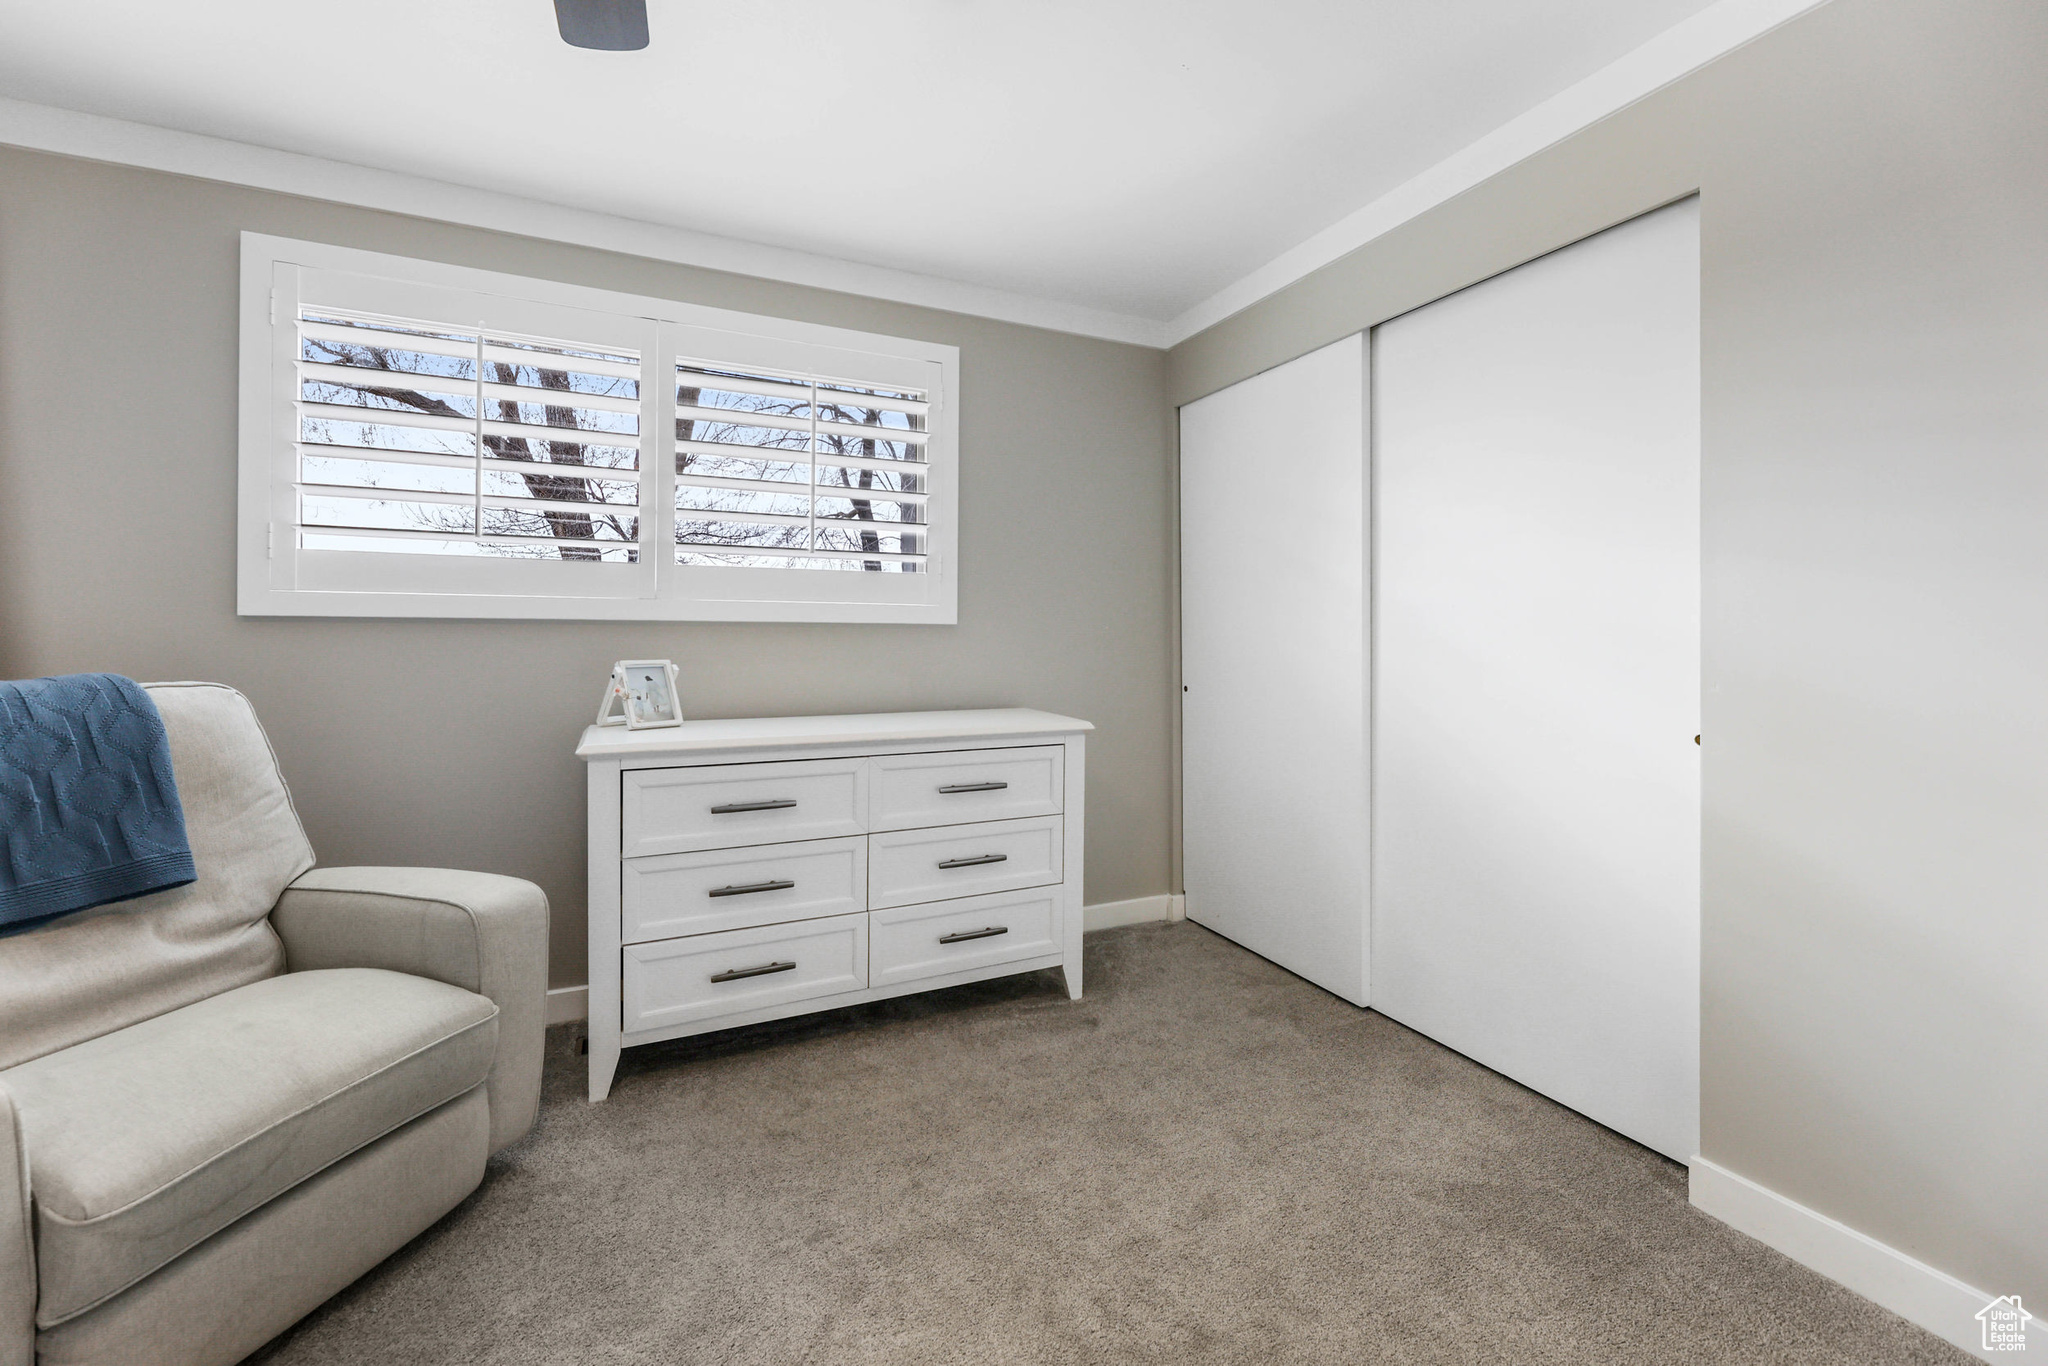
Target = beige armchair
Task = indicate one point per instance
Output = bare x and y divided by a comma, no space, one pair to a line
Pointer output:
222,1103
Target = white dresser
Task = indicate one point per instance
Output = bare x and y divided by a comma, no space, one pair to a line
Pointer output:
750,870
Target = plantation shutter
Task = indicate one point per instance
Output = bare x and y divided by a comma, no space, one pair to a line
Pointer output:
778,470
420,439
425,440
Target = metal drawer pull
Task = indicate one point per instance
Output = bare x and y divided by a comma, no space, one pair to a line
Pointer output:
779,885
973,787
731,807
973,934
972,862
762,971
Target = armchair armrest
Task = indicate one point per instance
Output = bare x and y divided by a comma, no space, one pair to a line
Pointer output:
486,933
17,1245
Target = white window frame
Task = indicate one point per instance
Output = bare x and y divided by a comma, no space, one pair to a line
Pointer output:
275,579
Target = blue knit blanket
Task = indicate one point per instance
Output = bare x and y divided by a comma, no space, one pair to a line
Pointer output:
87,800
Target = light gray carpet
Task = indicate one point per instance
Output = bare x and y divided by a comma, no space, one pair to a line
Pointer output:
1205,1160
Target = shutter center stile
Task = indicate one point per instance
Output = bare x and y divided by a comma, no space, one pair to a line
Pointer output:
478,488
811,446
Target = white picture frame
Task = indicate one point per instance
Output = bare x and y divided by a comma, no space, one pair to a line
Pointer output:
642,693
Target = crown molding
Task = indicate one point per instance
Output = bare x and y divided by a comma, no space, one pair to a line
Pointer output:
1670,56
1677,52
94,137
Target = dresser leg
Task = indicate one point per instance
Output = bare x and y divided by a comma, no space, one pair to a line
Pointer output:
604,1062
1071,970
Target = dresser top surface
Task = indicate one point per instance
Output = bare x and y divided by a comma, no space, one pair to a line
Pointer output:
803,732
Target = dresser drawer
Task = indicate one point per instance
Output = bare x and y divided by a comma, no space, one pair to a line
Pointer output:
910,866
729,889
678,981
911,790
674,810
955,936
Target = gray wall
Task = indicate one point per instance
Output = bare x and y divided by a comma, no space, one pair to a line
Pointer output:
1874,199
117,461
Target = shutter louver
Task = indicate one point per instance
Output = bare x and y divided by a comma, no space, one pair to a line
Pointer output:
781,471
415,438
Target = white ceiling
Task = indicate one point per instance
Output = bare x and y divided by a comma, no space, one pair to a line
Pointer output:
1134,156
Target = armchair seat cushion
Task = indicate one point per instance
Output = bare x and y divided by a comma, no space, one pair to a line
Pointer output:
146,1141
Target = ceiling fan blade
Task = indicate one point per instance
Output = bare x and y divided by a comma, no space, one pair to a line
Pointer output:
606,25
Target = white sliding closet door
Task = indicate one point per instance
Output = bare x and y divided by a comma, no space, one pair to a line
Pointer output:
1536,784
1273,653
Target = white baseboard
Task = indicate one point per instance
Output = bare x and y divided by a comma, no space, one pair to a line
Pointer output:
568,1003
1913,1290
573,1003
1139,910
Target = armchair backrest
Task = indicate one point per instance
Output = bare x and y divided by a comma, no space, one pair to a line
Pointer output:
102,970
